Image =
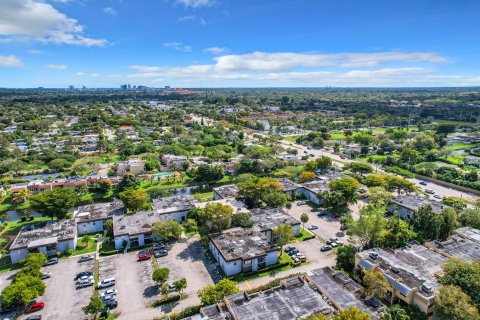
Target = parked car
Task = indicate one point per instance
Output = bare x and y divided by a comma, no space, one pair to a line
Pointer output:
343,227
329,241
85,258
325,248
322,213
288,249
437,196
84,279
429,191
293,251
51,261
313,227
35,317
339,243
160,253
34,306
423,183
81,274
111,304
107,297
106,283
85,284
144,256
301,203
158,246
46,275
112,291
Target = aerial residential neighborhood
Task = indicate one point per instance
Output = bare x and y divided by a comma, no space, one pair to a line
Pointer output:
239,160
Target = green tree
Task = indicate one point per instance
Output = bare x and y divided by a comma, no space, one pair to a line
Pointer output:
242,219
369,226
191,226
128,181
304,219
324,163
470,218
307,176
160,276
283,234
452,303
105,185
396,233
134,200
94,306
253,189
399,184
59,164
375,283
359,167
346,258
167,230
395,312
215,293
108,226
54,203
463,274
347,187
180,285
351,313
218,216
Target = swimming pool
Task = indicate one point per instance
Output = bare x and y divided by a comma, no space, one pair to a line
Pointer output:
163,175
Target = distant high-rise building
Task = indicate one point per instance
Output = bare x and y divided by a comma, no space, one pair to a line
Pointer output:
71,87
124,87
129,87
167,87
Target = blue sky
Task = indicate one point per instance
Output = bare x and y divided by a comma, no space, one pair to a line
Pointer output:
239,43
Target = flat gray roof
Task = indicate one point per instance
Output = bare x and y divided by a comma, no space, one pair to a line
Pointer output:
458,246
238,243
99,211
228,191
173,204
294,299
416,264
288,185
414,202
44,233
343,291
269,218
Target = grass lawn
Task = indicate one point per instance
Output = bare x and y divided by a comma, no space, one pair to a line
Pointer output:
83,248
108,247
97,196
460,146
204,196
337,136
284,258
291,138
304,233
14,227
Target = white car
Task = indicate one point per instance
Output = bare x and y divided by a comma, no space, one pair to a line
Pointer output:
85,279
313,227
112,292
106,283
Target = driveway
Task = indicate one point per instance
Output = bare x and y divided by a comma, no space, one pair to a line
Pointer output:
62,300
328,227
134,284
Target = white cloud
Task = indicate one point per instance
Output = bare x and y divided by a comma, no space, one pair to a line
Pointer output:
178,46
35,51
192,18
10,62
95,74
215,50
196,3
80,74
307,69
27,20
56,66
110,11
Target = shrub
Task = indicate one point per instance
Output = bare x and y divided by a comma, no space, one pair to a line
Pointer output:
69,252
31,218
23,219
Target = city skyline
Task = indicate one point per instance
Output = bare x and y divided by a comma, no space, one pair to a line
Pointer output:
221,43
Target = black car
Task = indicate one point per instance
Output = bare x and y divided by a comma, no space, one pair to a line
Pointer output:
325,248
51,261
111,304
82,274
160,253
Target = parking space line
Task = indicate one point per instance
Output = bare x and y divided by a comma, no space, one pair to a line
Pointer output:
248,285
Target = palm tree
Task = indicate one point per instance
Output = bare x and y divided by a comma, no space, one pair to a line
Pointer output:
395,312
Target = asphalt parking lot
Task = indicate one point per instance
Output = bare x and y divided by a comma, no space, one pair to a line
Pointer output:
187,259
328,227
62,300
134,284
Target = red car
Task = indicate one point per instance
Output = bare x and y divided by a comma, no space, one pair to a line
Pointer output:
144,257
34,306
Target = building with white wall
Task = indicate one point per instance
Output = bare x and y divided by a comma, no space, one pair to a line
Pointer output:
47,237
242,251
91,218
